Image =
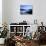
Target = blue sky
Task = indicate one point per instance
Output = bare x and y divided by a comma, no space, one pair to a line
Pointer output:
26,6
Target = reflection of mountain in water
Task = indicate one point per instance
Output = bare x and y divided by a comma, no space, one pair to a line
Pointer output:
29,11
24,11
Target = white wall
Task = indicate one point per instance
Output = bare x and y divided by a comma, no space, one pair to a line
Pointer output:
4,10
11,11
0,13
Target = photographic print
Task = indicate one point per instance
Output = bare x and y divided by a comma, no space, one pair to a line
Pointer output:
25,9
